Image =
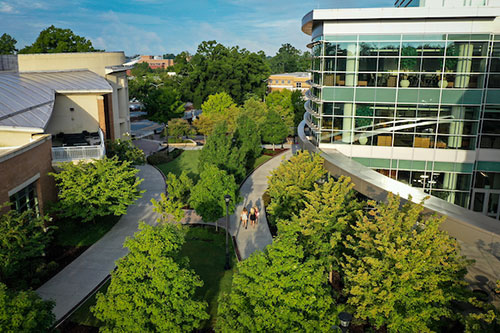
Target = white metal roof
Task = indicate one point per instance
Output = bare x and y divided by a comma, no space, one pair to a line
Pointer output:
27,99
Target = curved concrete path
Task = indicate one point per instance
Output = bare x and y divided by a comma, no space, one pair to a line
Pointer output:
251,239
78,279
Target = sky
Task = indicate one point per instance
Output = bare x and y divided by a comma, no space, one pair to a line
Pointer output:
156,27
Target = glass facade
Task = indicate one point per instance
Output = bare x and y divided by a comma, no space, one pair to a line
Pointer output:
416,91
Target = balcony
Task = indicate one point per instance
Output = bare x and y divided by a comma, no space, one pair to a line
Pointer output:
78,147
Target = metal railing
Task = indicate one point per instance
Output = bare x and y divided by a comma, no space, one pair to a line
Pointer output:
78,153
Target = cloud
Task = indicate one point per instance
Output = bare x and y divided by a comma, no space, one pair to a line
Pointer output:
7,8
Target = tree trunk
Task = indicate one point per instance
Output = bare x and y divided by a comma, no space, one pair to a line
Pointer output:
273,146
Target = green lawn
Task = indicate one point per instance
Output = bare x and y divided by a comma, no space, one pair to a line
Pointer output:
75,233
187,161
261,160
206,250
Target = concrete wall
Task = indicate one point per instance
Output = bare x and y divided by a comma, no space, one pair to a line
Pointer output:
97,63
93,61
14,138
31,161
84,116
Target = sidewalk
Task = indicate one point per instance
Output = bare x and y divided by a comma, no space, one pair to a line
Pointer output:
249,240
79,278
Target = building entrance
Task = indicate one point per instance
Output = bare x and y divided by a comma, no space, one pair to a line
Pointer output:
486,201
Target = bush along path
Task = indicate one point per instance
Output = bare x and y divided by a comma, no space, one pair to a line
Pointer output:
78,279
251,239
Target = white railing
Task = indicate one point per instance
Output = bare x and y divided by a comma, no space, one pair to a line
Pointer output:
78,153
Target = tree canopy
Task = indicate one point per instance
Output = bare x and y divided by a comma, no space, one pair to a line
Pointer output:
288,183
207,196
401,271
57,40
162,104
7,44
23,240
24,311
288,59
152,287
216,68
99,188
274,129
278,290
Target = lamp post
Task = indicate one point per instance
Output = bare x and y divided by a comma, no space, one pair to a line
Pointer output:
227,198
345,320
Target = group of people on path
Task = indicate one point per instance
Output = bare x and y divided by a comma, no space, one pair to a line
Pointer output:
253,216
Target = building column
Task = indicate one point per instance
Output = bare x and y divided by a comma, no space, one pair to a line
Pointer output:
102,115
351,80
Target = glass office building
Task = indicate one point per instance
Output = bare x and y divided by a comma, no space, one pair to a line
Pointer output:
413,93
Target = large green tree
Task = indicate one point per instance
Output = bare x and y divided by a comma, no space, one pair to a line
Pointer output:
278,290
7,44
162,104
23,240
247,139
57,40
152,288
298,107
99,188
24,311
274,130
207,196
221,151
329,210
217,108
288,183
171,207
281,102
401,271
289,59
216,68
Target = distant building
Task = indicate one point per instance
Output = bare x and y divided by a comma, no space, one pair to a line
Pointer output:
290,81
154,62
56,108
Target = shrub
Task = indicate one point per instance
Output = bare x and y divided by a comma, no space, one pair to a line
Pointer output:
162,157
125,151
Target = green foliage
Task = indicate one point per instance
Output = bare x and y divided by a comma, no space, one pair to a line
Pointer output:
281,102
7,44
207,196
152,288
24,311
163,156
221,151
216,68
179,127
485,318
162,104
141,69
247,139
401,271
217,104
57,40
179,190
323,222
298,107
288,183
99,188
125,150
139,87
274,130
23,240
278,290
256,110
288,59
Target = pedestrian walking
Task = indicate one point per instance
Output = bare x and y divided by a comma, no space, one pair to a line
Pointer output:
244,217
253,217
256,214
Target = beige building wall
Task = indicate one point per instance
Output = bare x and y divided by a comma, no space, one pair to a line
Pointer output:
14,138
93,61
97,63
74,113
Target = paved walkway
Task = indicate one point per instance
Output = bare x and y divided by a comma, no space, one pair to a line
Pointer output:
79,278
249,240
